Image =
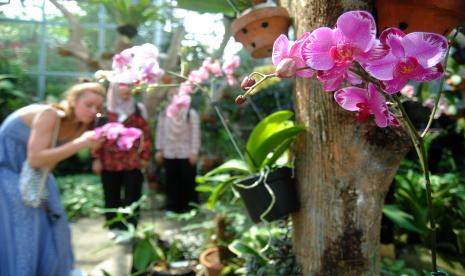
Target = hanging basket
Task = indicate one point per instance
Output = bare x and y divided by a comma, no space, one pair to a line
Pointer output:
258,199
437,16
257,29
127,30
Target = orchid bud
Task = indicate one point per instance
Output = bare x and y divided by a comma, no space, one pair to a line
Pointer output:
286,68
247,83
240,100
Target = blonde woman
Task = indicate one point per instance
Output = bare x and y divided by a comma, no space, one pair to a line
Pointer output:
36,240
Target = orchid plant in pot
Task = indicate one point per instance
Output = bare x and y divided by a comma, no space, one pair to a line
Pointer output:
376,68
263,177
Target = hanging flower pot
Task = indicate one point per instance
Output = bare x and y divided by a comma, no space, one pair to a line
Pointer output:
127,30
257,28
437,16
272,196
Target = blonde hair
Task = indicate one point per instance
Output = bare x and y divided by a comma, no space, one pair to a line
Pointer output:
76,91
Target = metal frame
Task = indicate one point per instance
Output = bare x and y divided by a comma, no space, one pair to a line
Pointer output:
42,73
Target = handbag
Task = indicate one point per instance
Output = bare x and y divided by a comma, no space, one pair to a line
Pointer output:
32,181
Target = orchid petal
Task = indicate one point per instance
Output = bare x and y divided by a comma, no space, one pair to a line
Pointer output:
294,49
332,84
358,28
315,50
381,69
353,78
349,97
378,106
280,48
395,85
428,74
428,48
378,52
395,42
390,32
307,73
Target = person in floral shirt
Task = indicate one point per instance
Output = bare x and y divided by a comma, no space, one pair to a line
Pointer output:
120,169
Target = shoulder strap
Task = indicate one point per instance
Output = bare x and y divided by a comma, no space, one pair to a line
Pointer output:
137,109
55,132
57,125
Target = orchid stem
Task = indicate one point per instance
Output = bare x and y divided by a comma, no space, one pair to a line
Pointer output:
441,85
218,112
419,145
250,92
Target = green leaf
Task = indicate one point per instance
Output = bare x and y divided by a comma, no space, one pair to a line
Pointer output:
219,189
234,165
278,152
144,254
401,218
214,6
272,143
263,130
242,250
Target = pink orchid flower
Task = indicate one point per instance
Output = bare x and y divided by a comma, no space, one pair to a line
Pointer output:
116,131
334,50
414,56
186,88
128,137
286,57
230,64
123,59
179,102
231,80
112,130
212,67
366,102
198,76
151,72
148,51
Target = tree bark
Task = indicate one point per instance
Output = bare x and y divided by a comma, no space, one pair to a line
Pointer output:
153,97
344,168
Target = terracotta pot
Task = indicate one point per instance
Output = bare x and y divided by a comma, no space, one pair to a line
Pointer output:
210,259
258,28
437,16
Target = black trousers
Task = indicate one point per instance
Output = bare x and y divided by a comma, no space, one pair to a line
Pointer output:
180,185
114,183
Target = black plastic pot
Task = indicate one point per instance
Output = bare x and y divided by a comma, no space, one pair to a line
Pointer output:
161,273
258,199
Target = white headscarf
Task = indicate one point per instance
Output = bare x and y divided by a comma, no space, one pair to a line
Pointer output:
116,104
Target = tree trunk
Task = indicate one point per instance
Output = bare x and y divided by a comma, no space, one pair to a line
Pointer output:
154,97
344,168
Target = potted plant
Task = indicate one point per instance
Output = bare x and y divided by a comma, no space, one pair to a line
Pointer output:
156,257
438,16
264,178
129,15
217,255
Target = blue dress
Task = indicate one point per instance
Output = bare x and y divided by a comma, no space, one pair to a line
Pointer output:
33,242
